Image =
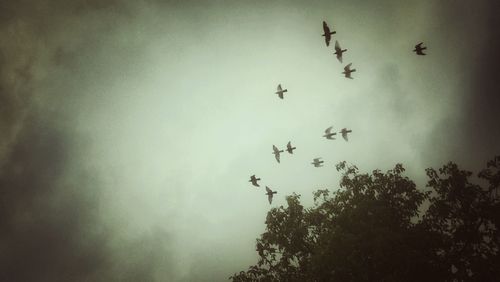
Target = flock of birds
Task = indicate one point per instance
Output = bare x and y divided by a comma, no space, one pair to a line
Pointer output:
317,162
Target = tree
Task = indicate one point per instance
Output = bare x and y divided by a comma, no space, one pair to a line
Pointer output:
380,227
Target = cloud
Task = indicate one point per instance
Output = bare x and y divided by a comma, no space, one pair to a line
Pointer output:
48,224
469,40
88,85
52,226
482,116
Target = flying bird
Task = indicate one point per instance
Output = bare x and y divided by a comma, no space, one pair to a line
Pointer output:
327,34
254,180
419,49
317,162
347,71
329,134
276,153
281,91
339,51
289,148
270,194
344,132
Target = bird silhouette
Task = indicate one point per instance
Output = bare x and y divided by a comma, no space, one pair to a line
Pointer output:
327,33
289,148
344,132
347,71
254,180
270,194
419,49
329,134
317,162
339,51
280,91
276,153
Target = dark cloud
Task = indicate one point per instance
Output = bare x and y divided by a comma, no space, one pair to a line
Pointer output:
47,222
482,116
473,136
51,223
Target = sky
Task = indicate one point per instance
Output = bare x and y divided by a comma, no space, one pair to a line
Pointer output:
130,128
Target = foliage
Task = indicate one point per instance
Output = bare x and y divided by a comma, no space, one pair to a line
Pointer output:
380,227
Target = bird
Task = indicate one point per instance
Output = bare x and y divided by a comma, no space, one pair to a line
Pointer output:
344,132
254,180
419,49
317,162
270,194
289,148
276,153
327,34
347,71
339,51
329,134
281,91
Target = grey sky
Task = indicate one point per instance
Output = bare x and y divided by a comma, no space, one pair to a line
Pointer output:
130,129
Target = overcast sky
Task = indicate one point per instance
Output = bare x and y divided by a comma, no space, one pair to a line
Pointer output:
130,128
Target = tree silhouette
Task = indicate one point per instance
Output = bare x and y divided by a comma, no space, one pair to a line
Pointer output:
380,227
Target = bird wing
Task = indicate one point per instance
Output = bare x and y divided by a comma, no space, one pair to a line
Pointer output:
280,94
268,190
337,46
276,153
327,34
326,29
348,67
289,145
279,87
419,45
339,57
270,197
328,130
344,135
